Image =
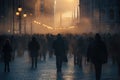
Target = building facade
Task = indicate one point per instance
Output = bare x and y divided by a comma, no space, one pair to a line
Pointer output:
6,13
103,14
44,11
8,9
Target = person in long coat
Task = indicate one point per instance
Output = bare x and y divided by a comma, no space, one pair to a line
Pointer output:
97,54
59,49
7,54
34,47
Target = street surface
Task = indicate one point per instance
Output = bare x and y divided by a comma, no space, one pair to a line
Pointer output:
46,70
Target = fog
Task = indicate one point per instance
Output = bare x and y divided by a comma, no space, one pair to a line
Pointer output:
53,16
61,15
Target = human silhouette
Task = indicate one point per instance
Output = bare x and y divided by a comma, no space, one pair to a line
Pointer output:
65,59
80,50
13,43
59,48
50,39
7,50
34,47
116,50
97,54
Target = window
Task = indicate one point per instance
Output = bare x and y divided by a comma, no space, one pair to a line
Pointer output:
103,13
111,15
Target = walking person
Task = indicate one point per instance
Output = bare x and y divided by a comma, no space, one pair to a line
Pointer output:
97,54
7,54
59,48
116,51
65,59
34,47
79,51
13,43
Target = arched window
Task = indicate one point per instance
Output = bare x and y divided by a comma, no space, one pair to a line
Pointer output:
111,14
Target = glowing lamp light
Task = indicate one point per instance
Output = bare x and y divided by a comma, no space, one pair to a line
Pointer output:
34,21
17,13
24,15
19,9
55,2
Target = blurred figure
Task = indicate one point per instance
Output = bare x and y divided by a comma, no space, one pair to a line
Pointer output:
79,52
116,50
50,39
33,47
65,59
97,54
74,49
43,49
59,48
7,54
21,45
13,43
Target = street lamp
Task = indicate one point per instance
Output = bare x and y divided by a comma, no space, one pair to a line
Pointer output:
19,15
31,15
19,9
24,15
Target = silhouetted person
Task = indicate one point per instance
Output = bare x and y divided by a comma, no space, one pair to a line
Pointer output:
7,53
116,50
13,43
65,59
97,54
50,40
79,53
34,47
59,48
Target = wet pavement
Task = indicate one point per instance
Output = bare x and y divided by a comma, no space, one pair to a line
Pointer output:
21,70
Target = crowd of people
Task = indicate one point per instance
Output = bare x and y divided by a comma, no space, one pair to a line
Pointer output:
96,48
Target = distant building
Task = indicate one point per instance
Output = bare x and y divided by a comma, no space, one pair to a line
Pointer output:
104,14
110,15
29,6
5,16
44,11
8,9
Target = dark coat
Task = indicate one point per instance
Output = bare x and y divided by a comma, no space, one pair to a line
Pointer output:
97,52
33,47
59,46
7,50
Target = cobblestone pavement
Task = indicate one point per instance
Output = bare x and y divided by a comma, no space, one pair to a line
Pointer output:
21,70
